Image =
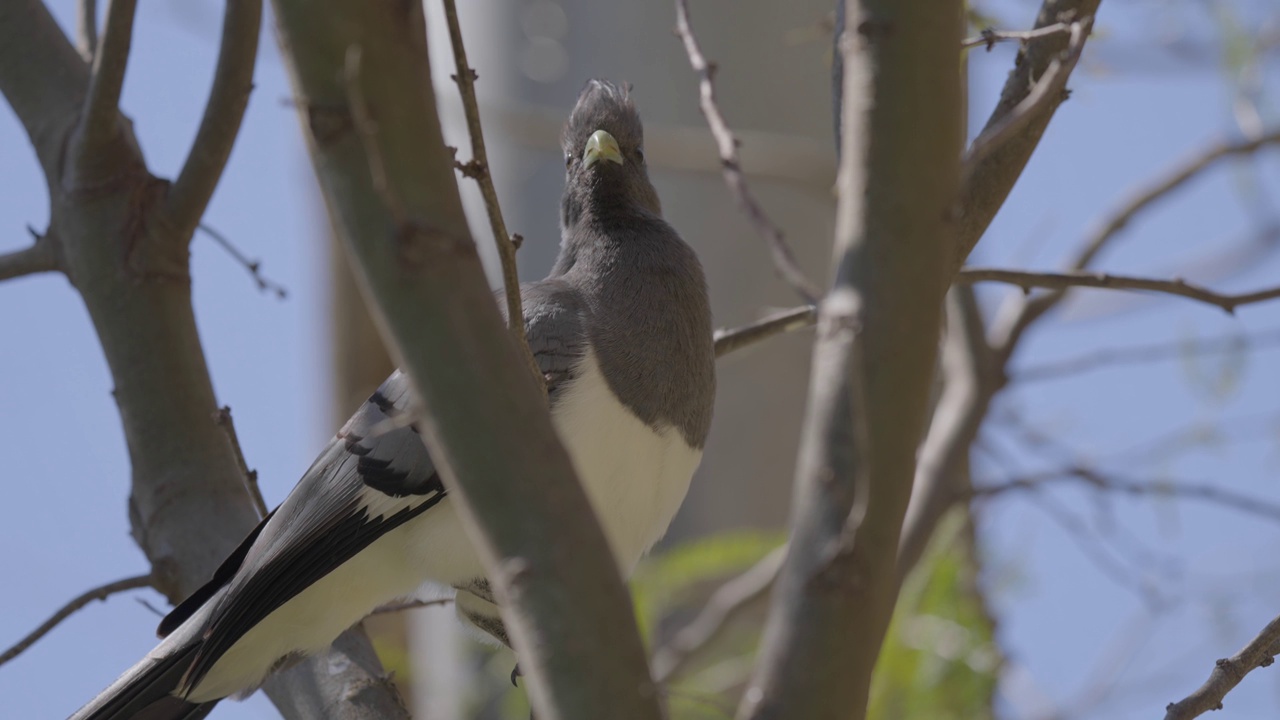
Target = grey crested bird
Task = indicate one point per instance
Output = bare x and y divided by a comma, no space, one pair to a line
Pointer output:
621,329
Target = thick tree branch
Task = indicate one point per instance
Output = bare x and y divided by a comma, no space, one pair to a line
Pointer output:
41,256
223,112
869,389
990,181
784,261
41,76
1227,673
730,339
98,121
1061,281
391,188
101,592
478,168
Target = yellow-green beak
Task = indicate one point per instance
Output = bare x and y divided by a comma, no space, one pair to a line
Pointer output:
601,146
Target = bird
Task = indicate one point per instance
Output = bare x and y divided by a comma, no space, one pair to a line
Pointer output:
621,331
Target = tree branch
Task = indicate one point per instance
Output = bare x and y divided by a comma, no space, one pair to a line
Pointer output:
253,267
868,394
101,592
784,261
726,603
41,256
991,36
223,418
990,180
106,80
970,381
1137,488
1141,354
1227,673
87,29
42,77
1049,90
391,188
1061,281
1021,313
731,339
223,112
478,169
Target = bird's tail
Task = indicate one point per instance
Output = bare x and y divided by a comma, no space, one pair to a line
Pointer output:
145,691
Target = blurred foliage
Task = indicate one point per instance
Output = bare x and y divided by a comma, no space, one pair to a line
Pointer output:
940,660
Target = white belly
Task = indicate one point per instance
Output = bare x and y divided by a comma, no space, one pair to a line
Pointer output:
634,476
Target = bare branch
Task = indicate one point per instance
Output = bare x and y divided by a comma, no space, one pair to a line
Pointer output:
87,29
465,77
1061,281
1048,91
784,260
223,112
991,36
870,382
223,418
990,181
726,603
102,102
1227,673
99,593
1109,482
39,257
1020,313
1111,357
731,339
254,267
969,382
410,605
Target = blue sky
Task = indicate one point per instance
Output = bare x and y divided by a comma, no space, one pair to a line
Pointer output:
1064,621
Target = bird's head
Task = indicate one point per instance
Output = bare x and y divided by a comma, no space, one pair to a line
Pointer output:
604,154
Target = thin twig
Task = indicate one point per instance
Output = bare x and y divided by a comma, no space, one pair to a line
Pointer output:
727,602
102,102
98,593
1227,673
40,256
410,605
729,339
223,418
465,77
1142,354
784,260
1048,88
991,36
1059,281
87,29
1014,318
254,267
223,113
1106,481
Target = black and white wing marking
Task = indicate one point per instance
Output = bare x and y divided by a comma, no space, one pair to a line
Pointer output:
553,316
373,477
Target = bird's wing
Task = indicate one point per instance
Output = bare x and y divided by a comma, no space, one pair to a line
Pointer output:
373,477
554,317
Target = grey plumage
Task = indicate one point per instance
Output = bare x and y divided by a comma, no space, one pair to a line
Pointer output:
625,304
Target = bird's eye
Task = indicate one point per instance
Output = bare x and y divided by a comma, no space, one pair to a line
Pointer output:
568,160
640,154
